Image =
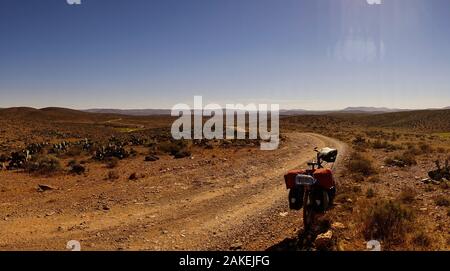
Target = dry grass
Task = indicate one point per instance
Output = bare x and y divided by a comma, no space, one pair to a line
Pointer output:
406,159
360,164
43,165
387,221
408,195
422,239
370,193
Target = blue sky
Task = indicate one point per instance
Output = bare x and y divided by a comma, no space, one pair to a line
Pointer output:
312,54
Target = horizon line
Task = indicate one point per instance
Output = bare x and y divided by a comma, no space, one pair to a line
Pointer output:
281,109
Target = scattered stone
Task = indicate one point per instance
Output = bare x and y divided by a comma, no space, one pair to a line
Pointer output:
236,246
337,226
45,187
324,241
283,214
50,213
427,180
151,158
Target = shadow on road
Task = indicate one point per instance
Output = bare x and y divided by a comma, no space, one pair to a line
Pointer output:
302,242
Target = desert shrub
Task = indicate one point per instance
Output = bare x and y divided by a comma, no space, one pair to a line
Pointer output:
182,154
393,162
176,148
179,148
171,147
395,136
412,149
114,149
133,176
358,177
356,189
74,151
362,165
442,201
113,175
405,159
111,162
408,195
370,193
76,168
43,164
387,221
378,144
359,140
422,239
3,158
425,148
445,185
133,152
372,133
374,179
408,157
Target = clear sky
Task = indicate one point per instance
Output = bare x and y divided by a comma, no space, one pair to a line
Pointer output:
311,54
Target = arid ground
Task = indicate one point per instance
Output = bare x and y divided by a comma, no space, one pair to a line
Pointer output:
148,192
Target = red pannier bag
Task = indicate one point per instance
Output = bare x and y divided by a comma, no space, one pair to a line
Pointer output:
289,177
325,177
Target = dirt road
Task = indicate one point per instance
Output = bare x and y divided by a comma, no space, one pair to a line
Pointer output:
219,200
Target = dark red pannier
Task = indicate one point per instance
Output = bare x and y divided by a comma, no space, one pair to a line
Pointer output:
325,178
289,177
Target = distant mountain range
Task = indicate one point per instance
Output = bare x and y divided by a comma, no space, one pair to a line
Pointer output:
373,109
131,112
286,112
359,109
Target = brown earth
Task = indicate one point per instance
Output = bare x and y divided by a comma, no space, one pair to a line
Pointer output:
223,197
218,200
